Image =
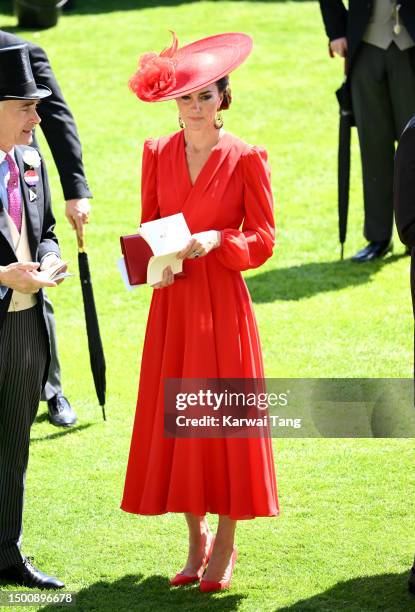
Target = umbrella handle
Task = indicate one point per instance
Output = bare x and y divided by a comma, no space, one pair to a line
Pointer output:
81,243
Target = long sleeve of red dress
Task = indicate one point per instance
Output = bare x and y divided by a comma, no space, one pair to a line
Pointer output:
251,246
149,203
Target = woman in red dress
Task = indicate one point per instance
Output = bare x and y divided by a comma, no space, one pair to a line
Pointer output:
203,325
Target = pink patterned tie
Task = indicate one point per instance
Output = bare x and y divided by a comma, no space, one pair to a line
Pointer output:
13,193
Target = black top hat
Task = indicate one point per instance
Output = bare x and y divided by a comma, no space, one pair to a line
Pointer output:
16,76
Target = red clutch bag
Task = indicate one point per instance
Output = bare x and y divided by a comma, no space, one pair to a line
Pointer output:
136,253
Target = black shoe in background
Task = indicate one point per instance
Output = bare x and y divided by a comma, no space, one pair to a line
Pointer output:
374,250
61,412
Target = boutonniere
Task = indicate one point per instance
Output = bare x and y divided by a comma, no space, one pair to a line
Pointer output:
31,158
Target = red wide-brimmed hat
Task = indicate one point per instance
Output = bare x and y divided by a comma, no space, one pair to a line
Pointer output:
176,72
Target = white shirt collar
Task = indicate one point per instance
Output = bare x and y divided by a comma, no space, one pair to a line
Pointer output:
3,155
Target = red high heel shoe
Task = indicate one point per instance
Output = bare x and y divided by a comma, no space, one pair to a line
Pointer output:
207,586
181,579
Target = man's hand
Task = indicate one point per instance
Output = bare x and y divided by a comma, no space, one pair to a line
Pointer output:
200,244
49,261
23,277
338,46
77,213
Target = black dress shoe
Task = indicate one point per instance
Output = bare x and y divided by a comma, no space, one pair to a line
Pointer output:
26,574
61,412
411,581
374,250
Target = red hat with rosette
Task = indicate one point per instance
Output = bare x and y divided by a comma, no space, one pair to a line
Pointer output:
176,72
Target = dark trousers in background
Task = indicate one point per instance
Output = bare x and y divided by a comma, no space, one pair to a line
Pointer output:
23,356
383,95
53,385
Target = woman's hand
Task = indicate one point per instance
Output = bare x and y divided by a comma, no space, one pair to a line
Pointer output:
200,244
168,279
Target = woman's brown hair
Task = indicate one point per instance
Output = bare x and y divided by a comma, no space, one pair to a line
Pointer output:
225,90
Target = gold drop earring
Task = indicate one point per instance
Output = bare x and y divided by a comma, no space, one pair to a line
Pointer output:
181,123
218,123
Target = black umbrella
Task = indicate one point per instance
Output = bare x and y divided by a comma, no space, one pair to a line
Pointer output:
96,351
346,122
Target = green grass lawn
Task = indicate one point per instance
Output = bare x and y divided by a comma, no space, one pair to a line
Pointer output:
345,537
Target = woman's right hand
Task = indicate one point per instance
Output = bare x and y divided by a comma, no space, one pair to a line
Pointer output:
167,279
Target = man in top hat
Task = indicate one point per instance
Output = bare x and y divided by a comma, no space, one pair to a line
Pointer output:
59,128
27,241
377,39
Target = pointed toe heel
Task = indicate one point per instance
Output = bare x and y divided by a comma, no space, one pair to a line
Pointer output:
181,579
209,586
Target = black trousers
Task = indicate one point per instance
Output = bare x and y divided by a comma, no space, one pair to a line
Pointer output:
23,356
383,95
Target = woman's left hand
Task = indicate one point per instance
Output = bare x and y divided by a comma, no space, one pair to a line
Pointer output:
200,244
166,280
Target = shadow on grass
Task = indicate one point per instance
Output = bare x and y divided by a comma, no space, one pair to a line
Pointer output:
61,433
386,592
307,280
152,594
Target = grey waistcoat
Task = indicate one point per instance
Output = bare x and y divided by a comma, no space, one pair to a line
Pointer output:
380,31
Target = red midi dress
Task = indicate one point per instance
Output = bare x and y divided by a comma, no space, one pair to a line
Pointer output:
203,326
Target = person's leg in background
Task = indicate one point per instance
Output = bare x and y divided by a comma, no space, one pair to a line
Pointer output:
401,69
60,411
373,111
401,73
